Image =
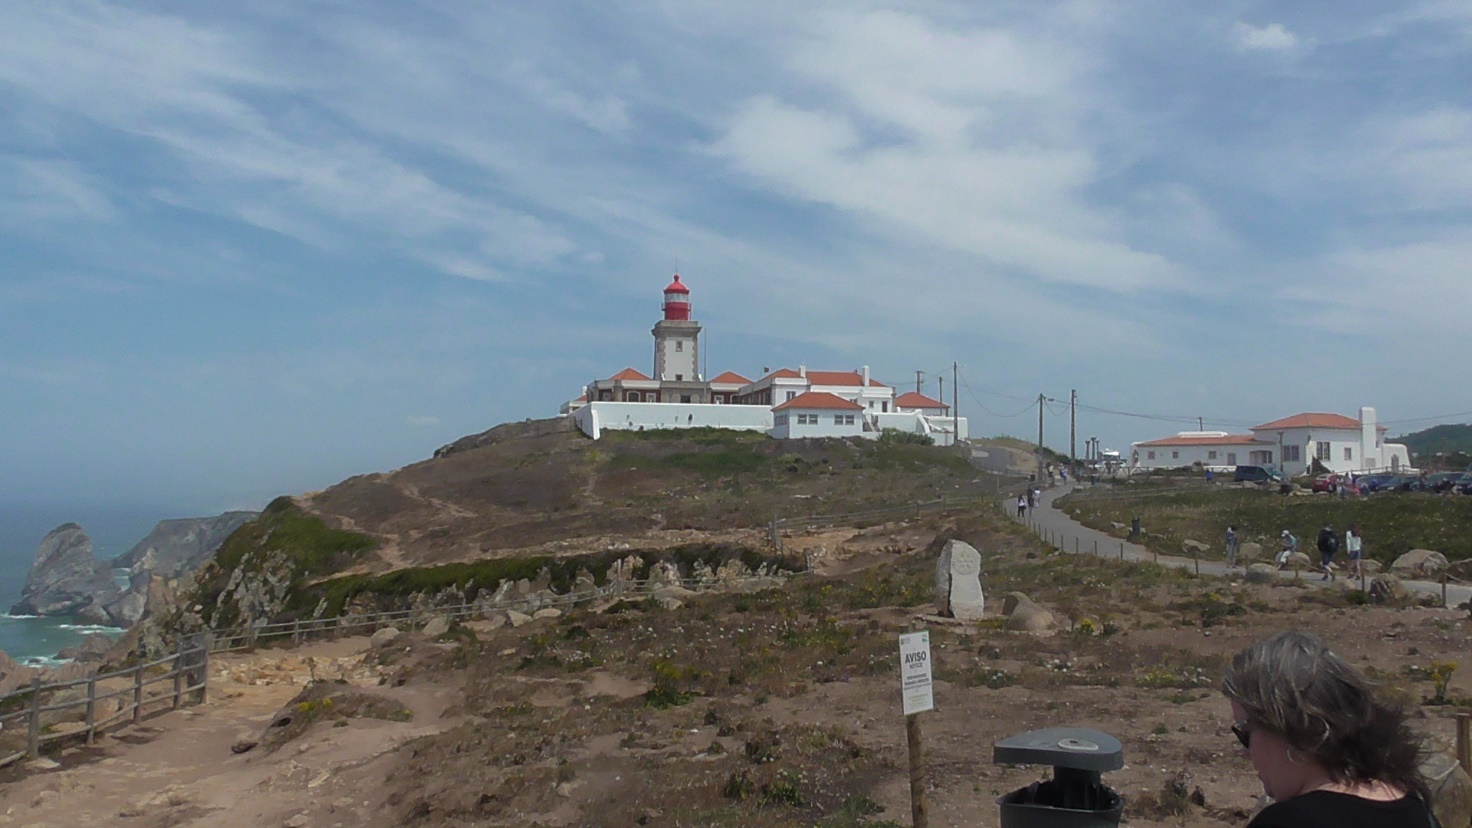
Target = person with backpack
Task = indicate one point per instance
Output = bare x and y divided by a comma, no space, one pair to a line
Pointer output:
1328,543
1290,545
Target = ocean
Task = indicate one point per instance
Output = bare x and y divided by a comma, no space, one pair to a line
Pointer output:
36,641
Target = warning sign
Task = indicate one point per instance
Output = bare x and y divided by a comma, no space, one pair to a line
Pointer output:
915,672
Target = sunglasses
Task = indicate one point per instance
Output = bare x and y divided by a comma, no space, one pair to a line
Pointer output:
1239,729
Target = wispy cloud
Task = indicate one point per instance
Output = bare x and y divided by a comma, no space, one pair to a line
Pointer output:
1270,38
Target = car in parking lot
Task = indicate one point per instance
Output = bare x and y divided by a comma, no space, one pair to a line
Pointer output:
1257,474
1444,481
1371,483
1326,483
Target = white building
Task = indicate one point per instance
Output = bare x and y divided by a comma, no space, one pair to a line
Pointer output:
817,414
840,403
1293,444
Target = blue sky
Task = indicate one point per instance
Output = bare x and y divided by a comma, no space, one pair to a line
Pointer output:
253,248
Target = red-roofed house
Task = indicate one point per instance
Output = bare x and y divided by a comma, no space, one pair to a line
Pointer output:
917,402
725,386
1293,444
786,384
817,414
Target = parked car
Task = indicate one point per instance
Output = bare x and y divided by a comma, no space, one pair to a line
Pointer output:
1326,483
1257,474
1371,483
1444,481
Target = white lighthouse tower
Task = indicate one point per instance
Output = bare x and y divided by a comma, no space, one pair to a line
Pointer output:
677,338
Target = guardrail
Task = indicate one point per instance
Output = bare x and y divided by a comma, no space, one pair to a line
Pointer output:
25,710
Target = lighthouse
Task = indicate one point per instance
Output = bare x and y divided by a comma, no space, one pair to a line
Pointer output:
677,343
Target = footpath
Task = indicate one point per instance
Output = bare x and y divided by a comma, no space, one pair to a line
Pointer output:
1068,535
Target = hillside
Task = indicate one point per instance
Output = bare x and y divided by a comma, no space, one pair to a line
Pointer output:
1453,441
542,487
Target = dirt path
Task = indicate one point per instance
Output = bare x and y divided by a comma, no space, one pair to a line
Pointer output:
178,769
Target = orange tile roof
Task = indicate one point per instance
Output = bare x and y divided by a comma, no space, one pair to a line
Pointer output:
819,399
1310,420
1229,440
628,374
914,399
844,378
731,377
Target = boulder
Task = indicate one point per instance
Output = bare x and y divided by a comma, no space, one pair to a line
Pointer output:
1419,563
65,579
1299,560
1195,549
517,619
1387,589
547,612
1451,789
384,637
436,627
1027,616
958,582
1249,552
1261,573
1461,570
668,602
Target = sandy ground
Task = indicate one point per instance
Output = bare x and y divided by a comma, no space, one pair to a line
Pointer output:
177,768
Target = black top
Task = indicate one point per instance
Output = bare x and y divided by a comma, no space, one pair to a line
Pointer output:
1330,809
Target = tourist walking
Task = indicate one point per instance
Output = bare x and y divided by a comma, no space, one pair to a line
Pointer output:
1233,544
1021,507
1328,543
1353,544
1327,748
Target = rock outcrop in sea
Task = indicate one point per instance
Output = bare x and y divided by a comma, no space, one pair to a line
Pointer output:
66,580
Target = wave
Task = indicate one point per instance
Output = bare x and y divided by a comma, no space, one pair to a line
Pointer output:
91,628
46,661
17,617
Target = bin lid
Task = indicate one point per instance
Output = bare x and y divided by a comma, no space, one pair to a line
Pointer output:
1064,747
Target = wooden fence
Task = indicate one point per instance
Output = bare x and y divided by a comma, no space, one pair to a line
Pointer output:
25,711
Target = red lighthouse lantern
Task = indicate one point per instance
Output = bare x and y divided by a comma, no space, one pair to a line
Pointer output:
677,301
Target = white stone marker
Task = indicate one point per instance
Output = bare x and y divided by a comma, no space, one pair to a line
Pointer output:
958,582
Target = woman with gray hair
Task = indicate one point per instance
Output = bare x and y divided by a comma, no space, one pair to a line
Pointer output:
1327,750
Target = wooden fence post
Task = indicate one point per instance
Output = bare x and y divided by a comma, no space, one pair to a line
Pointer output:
1443,588
138,693
1464,741
33,736
296,633
204,670
91,707
179,676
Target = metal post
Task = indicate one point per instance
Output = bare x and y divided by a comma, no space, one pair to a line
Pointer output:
91,707
33,735
138,693
1121,550
296,633
1443,588
1197,556
1096,547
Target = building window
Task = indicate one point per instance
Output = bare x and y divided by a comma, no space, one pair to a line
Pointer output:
1149,455
848,419
1348,453
1231,458
791,395
1291,454
1211,455
1175,455
684,398
679,377
679,346
633,396
884,406
1321,450
605,395
779,420
718,399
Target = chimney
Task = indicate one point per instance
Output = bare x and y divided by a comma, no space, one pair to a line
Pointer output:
1369,447
866,376
802,371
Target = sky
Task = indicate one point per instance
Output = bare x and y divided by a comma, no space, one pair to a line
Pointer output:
251,249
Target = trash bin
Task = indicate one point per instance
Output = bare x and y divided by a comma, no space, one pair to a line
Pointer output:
1135,526
1075,797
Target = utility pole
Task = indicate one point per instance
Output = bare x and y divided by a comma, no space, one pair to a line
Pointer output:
955,405
1073,431
942,383
1200,424
1041,397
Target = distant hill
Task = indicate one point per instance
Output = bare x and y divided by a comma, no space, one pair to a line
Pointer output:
1453,441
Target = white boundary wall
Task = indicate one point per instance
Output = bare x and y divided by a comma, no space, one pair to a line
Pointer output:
596,417
939,428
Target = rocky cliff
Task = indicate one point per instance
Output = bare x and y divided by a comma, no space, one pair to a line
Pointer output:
66,580
173,549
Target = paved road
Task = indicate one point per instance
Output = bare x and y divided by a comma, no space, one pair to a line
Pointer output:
1068,535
